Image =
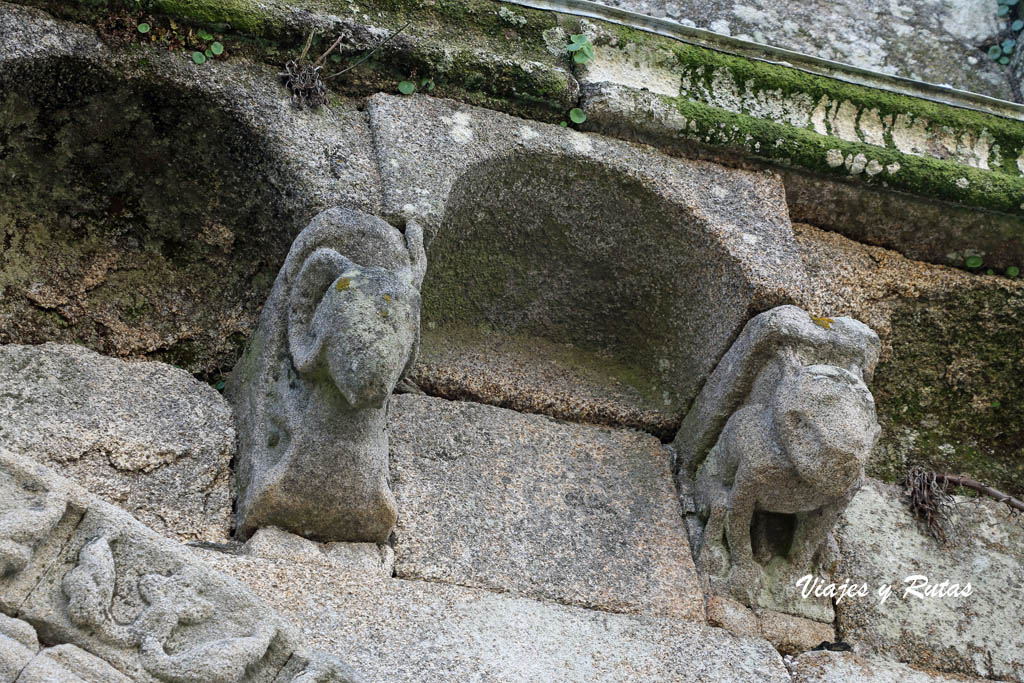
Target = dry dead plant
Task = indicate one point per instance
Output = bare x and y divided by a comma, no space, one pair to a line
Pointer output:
931,502
305,80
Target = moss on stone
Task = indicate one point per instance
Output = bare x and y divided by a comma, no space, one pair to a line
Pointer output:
476,55
699,62
950,397
802,148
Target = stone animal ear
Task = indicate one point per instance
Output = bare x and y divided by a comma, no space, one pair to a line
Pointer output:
305,335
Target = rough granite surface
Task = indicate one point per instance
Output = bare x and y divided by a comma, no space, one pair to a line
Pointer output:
533,375
947,385
841,667
159,232
656,261
524,504
918,39
136,434
981,634
394,630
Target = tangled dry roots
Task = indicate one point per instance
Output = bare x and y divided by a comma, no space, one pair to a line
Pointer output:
930,502
305,84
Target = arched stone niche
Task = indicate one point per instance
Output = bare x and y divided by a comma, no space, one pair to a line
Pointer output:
584,255
146,203
135,215
575,275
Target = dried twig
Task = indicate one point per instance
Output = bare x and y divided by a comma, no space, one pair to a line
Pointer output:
370,53
995,494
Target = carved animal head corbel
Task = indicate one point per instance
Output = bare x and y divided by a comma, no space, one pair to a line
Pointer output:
825,417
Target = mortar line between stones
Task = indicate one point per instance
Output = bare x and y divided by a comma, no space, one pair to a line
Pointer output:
559,418
531,598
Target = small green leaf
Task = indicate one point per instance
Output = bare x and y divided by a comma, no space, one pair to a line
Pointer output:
973,262
575,46
219,386
996,404
579,38
203,35
1002,11
217,49
1012,271
144,28
1011,3
406,87
1004,61
580,58
577,115
995,52
1017,25
198,58
990,272
564,124
335,58
209,55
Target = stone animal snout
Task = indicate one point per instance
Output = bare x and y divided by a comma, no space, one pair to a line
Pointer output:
826,425
359,324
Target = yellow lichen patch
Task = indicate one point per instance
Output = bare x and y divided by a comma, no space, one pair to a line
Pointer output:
343,284
383,314
387,298
821,322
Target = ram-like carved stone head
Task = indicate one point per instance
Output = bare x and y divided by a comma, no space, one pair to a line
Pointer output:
357,323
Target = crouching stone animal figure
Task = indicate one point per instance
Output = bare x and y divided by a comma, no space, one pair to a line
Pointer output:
770,483
338,331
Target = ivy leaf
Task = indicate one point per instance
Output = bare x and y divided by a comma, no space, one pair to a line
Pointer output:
198,58
995,52
144,28
577,115
406,87
217,49
1004,61
203,35
1012,271
973,262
